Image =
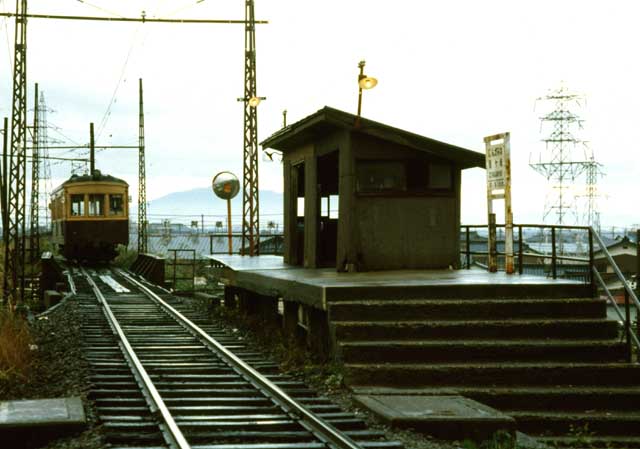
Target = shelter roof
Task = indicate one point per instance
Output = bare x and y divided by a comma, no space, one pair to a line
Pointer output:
329,119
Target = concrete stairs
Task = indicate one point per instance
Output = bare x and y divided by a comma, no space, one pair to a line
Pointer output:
556,364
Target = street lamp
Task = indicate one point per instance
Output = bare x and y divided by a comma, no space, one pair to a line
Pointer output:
253,101
364,82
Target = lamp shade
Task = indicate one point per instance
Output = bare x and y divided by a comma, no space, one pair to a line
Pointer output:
367,82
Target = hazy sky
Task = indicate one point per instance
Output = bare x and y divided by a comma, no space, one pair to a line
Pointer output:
454,71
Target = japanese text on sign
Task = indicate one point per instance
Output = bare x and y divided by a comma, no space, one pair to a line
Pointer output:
496,167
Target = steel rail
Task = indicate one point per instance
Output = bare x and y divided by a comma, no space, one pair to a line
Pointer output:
319,427
170,430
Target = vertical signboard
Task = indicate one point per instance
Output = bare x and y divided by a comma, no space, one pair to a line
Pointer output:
498,167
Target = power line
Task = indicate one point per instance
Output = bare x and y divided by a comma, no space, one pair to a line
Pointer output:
107,114
142,19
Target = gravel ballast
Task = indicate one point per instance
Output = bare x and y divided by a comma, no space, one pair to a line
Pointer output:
58,370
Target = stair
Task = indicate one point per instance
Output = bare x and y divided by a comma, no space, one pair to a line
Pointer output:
556,365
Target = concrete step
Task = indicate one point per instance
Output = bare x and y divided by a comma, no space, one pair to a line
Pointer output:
621,423
473,351
591,441
467,309
491,374
486,329
473,289
534,398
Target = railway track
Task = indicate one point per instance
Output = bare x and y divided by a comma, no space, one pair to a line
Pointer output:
165,377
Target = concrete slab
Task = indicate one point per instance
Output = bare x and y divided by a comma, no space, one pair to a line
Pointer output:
65,412
270,276
447,417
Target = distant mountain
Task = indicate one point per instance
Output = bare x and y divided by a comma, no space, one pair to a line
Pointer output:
200,201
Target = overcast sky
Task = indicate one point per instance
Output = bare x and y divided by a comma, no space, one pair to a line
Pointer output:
454,71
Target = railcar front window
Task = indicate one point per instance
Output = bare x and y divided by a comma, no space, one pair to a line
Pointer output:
116,205
77,205
96,205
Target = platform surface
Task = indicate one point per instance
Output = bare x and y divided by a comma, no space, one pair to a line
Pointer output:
269,275
42,413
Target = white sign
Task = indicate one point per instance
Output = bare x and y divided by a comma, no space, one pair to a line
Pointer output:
496,166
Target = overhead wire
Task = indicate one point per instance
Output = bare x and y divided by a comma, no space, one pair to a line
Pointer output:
107,114
84,2
183,8
6,30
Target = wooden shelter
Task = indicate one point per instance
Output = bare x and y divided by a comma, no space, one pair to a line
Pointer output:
360,195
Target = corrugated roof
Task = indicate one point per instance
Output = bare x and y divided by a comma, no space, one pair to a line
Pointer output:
201,243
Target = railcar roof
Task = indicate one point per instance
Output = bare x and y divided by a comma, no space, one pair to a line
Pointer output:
95,177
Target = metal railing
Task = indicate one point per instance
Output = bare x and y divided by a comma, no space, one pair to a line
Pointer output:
630,296
188,262
557,258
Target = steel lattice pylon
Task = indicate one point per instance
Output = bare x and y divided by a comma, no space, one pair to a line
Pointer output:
592,215
142,183
15,250
34,222
561,164
250,200
43,142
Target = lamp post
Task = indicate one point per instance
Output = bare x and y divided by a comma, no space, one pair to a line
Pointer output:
364,82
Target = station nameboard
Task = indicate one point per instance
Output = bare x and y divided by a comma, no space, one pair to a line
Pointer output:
496,166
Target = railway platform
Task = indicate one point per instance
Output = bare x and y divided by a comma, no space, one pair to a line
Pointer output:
317,287
311,300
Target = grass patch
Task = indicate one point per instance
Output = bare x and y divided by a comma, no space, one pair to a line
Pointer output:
125,257
15,345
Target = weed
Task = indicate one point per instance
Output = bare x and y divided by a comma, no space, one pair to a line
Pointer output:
499,440
125,257
16,345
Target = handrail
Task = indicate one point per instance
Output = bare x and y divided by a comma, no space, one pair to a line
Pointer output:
616,270
321,428
615,306
520,254
170,430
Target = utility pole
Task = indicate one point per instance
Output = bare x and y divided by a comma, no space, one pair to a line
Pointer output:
250,200
3,203
14,262
142,183
43,142
34,232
